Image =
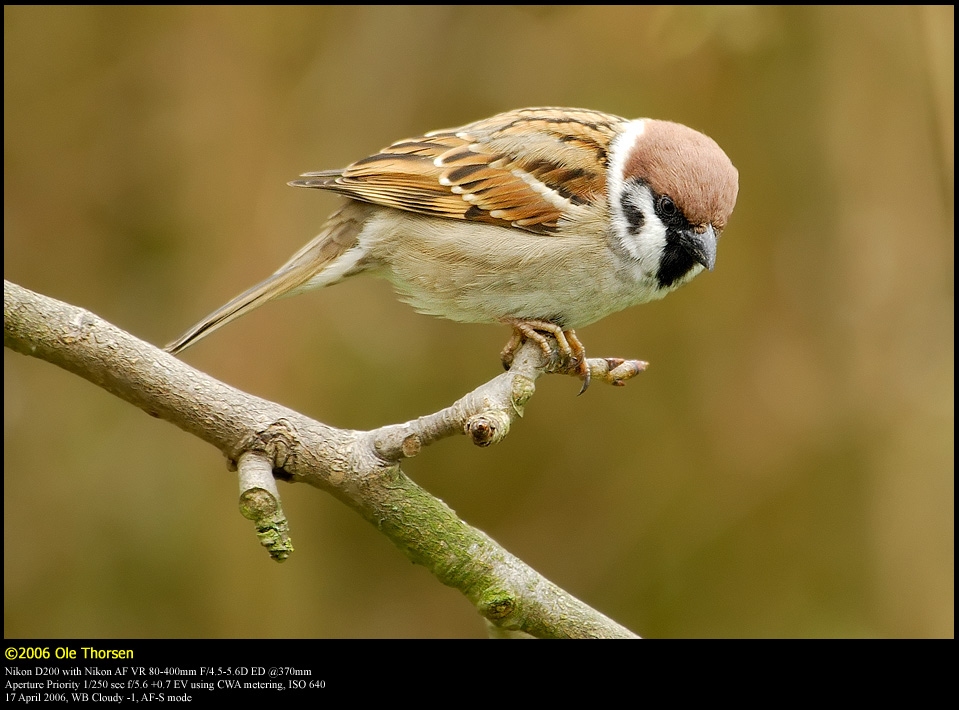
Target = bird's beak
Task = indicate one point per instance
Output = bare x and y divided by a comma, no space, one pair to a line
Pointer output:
702,246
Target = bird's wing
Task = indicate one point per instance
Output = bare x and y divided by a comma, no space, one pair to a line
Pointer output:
529,168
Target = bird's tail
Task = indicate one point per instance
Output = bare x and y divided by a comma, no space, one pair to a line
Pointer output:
339,235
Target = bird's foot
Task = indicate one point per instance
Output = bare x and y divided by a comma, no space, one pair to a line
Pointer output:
568,357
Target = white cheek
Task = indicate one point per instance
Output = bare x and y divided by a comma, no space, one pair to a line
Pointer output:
647,244
641,249
620,148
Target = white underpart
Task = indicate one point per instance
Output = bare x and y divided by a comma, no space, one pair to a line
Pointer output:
337,270
645,247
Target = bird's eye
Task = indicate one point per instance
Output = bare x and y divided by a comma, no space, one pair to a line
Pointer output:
669,211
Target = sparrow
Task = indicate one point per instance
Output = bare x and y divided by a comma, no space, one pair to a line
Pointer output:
544,219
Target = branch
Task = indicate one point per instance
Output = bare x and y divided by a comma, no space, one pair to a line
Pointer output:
361,468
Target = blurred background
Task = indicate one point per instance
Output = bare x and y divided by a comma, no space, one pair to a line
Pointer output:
784,468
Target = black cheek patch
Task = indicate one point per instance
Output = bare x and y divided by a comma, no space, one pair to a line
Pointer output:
632,213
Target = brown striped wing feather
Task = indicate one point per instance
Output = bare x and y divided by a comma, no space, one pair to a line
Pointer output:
529,168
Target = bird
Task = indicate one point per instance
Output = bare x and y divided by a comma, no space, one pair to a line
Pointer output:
543,219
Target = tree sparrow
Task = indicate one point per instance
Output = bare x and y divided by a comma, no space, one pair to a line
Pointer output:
546,219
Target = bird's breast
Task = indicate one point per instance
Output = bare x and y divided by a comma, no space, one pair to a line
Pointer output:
480,273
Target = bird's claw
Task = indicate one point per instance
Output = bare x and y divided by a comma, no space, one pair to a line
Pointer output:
568,356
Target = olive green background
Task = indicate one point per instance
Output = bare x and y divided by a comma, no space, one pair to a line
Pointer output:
784,468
